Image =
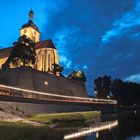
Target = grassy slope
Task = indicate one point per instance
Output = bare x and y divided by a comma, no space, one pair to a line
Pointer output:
65,117
22,131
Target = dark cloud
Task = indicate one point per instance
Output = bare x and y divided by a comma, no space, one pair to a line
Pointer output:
99,37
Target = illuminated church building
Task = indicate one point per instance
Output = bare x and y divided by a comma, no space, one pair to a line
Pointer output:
46,53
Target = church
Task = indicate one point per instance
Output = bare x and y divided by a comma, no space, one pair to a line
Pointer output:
46,52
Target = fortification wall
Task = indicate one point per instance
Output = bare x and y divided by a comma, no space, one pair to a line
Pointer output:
28,78
25,109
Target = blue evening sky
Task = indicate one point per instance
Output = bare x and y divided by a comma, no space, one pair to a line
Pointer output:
97,36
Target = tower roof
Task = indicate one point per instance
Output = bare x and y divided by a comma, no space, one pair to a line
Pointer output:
30,22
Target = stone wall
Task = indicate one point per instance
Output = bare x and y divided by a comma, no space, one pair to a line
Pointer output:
28,78
25,109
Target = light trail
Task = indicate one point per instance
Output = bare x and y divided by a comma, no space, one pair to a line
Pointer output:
108,125
57,95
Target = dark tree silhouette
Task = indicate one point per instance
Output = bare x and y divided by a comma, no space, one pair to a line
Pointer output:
57,69
116,89
98,87
77,75
102,86
126,93
22,54
106,86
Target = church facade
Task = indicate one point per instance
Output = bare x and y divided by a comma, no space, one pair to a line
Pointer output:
46,53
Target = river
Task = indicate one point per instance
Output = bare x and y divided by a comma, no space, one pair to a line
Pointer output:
125,127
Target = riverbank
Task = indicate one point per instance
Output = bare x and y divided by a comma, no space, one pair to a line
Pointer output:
53,118
24,131
62,118
40,126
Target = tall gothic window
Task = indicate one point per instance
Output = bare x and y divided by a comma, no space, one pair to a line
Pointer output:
34,38
49,61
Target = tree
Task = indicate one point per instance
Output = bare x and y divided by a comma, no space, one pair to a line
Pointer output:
106,86
22,54
102,86
116,89
126,93
77,75
57,69
98,87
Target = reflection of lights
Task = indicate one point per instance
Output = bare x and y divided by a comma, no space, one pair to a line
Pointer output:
88,100
97,135
106,125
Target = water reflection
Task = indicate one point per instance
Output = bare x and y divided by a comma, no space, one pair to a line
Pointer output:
127,127
86,131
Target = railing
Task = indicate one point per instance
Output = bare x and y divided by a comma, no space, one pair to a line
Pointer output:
30,94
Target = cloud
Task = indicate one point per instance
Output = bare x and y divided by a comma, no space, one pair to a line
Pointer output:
61,39
85,67
79,32
65,62
97,36
122,25
134,78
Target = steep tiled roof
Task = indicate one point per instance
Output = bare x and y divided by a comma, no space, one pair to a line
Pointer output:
45,44
42,44
5,52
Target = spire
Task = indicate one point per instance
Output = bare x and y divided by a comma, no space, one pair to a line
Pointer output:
31,15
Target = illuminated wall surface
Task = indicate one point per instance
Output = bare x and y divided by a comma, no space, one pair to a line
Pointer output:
46,53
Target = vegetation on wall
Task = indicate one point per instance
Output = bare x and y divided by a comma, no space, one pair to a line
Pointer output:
77,75
22,54
57,69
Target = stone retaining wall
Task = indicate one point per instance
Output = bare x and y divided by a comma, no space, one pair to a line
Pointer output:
28,78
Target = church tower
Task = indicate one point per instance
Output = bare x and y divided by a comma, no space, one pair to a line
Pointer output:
30,29
46,52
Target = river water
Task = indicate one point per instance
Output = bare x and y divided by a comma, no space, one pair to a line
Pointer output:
125,127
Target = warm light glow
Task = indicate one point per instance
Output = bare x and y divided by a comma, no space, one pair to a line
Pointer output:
46,83
105,126
88,100
97,134
29,32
